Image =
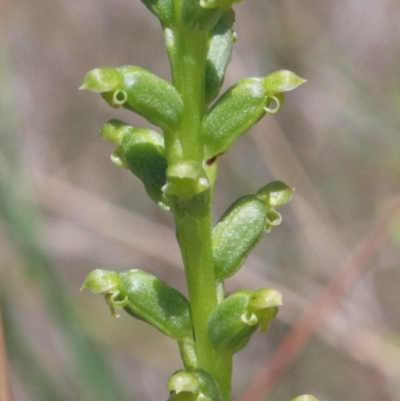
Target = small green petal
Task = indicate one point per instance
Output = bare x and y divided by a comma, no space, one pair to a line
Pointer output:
103,79
114,130
186,179
118,157
102,281
113,302
274,218
183,381
275,194
265,298
266,316
282,81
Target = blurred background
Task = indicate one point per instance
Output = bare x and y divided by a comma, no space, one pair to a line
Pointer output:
65,209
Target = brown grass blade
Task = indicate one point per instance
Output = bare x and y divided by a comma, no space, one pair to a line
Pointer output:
324,305
5,393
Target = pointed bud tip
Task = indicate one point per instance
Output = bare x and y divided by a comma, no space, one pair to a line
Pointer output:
282,81
266,298
275,194
101,281
114,130
103,79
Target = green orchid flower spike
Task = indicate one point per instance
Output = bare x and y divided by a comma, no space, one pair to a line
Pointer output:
177,163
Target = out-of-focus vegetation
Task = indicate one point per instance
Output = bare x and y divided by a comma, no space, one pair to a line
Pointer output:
65,209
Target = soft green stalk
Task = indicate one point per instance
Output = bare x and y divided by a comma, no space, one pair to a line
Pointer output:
180,176
188,57
187,65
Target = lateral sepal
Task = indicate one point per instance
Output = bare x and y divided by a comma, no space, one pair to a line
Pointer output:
187,188
138,90
237,232
144,297
242,226
193,385
242,106
232,323
142,151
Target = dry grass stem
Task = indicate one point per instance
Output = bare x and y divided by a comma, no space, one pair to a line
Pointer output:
5,394
324,305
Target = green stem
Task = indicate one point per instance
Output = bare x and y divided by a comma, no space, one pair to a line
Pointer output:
194,240
187,50
194,237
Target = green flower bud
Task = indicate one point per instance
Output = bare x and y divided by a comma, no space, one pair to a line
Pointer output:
232,323
107,82
145,297
142,151
138,90
228,326
236,234
242,106
236,111
188,188
244,223
193,385
106,282
150,96
155,302
145,156
275,194
219,54
306,397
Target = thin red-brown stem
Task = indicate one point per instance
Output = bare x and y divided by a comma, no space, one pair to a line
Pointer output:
326,302
5,394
